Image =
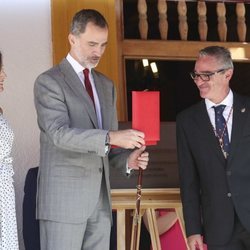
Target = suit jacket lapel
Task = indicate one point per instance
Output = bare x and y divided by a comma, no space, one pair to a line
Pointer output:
239,120
73,81
101,92
206,129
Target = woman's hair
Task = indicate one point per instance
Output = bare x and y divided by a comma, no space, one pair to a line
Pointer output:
0,60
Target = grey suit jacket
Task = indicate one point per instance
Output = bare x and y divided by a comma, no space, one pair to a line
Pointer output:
212,188
72,153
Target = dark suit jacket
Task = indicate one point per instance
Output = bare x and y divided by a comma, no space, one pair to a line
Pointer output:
211,187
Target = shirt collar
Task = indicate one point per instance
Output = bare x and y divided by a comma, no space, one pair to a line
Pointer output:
228,101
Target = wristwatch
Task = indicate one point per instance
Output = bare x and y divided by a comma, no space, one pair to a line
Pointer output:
107,144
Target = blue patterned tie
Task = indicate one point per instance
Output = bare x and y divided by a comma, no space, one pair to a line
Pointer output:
221,129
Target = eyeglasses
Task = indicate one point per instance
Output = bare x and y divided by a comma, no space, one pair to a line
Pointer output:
205,76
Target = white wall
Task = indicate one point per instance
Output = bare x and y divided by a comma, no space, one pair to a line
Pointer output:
25,41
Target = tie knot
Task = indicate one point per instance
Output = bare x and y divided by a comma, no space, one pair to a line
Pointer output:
86,72
219,109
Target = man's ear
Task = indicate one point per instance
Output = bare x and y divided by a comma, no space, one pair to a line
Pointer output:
72,39
229,74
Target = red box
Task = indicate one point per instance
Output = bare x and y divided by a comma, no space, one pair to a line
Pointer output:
146,114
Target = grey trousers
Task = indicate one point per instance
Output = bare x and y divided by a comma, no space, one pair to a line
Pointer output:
94,234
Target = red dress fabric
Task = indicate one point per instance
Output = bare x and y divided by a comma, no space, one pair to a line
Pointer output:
173,239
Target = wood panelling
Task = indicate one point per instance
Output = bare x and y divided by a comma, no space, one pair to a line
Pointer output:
179,50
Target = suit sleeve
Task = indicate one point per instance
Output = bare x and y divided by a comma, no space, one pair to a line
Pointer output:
189,181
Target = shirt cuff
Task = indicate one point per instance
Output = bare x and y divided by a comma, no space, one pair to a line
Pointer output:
128,170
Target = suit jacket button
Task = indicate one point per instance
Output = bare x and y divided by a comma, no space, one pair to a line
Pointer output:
229,173
229,195
100,170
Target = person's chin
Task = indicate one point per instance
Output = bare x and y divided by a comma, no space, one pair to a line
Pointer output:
204,93
94,63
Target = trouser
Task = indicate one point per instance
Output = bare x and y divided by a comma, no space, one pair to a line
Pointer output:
240,239
94,234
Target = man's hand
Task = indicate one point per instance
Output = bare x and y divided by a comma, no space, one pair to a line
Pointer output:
195,242
128,138
138,159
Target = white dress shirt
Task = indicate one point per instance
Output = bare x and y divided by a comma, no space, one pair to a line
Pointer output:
228,101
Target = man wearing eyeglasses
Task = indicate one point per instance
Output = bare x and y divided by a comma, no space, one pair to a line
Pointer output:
213,142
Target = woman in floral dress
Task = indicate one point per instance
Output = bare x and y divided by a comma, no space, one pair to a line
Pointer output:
8,226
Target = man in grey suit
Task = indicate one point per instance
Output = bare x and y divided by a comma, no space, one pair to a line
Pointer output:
77,131
213,139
